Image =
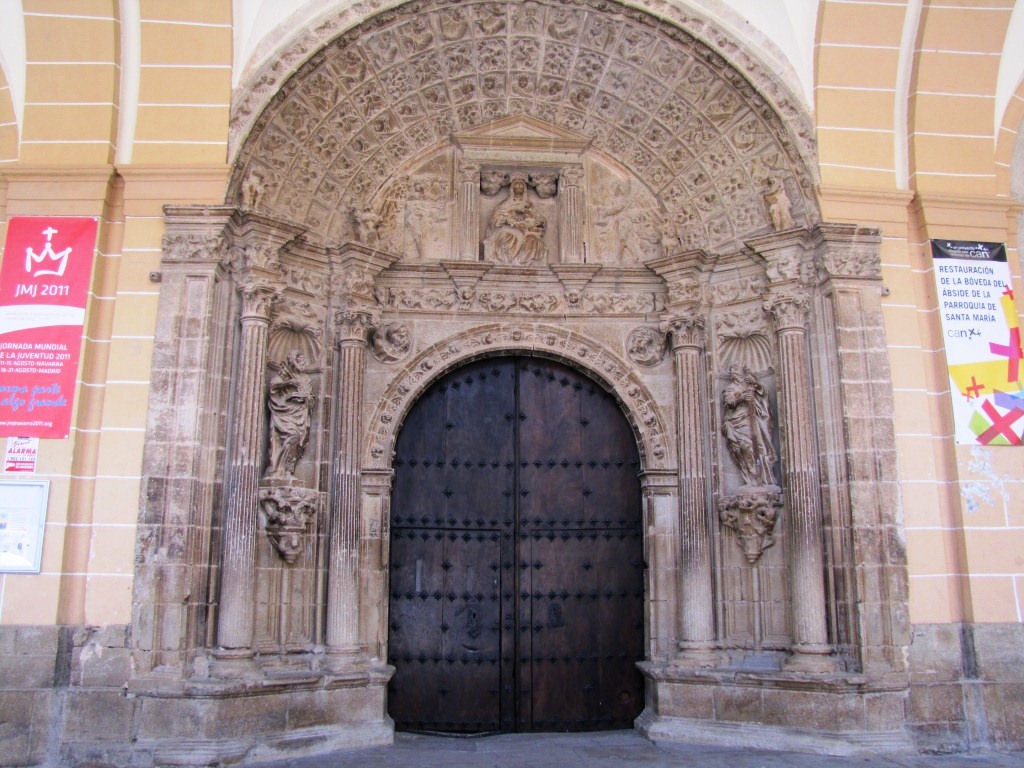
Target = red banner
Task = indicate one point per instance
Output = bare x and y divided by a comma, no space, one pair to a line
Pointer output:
44,285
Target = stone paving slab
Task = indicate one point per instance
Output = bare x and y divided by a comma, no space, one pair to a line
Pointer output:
616,749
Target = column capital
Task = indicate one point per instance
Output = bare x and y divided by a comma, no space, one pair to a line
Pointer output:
790,306
572,175
353,326
686,327
259,296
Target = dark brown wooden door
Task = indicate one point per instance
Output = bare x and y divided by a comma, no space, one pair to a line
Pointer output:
516,579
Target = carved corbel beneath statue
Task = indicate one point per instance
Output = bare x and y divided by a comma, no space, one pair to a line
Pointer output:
686,278
354,270
751,516
289,511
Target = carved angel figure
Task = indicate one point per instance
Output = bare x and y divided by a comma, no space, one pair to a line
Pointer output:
747,427
290,402
516,233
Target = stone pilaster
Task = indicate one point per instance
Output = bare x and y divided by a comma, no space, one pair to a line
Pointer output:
697,623
571,213
238,563
467,214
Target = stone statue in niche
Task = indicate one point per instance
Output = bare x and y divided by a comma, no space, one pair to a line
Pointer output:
515,234
390,342
747,427
779,204
290,401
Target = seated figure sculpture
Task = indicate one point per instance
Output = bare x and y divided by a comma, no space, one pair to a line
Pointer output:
516,231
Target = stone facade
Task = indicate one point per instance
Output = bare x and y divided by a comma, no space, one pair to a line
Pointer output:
412,190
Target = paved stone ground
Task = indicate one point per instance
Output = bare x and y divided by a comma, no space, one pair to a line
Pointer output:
616,749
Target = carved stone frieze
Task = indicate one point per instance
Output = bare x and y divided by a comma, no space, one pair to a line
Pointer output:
513,301
495,339
738,289
751,515
646,346
288,513
303,279
181,246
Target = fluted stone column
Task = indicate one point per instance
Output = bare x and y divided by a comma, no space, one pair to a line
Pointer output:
697,620
790,306
571,215
343,543
467,215
238,563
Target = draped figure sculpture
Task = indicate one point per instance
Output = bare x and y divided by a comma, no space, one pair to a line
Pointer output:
747,427
290,402
516,232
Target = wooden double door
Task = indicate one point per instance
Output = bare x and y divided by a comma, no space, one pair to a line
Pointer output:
516,596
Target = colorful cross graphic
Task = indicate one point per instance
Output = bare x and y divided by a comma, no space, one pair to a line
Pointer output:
975,388
1012,351
1001,425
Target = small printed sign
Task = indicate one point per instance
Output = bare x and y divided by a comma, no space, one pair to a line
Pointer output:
22,523
983,343
44,285
21,454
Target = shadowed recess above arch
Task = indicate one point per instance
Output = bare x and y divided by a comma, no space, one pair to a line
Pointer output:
705,142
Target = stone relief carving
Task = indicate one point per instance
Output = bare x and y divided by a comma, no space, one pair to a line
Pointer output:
511,301
194,247
288,512
627,228
254,187
743,339
646,346
779,205
747,426
654,98
296,326
290,401
515,233
751,515
390,342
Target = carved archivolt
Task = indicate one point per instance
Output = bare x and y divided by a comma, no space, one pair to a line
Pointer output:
551,341
376,99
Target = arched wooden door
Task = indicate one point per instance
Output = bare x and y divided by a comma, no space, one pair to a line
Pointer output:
517,573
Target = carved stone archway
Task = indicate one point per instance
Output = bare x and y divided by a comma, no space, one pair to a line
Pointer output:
593,184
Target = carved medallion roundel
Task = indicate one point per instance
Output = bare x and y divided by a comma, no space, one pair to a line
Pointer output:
643,91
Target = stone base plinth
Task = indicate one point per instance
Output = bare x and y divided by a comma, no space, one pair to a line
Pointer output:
217,721
834,714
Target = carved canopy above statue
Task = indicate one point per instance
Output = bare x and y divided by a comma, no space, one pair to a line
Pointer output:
382,97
